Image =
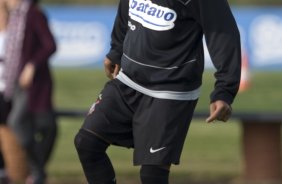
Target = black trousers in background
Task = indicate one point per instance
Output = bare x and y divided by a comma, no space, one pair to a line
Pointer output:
36,132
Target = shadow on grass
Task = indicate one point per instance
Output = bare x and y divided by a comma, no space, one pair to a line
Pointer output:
134,179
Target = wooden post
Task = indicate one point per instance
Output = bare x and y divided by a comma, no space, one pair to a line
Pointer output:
261,144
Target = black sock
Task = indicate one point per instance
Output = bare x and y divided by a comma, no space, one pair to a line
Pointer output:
152,174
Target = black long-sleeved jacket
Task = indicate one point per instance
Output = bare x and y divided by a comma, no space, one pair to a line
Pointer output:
160,49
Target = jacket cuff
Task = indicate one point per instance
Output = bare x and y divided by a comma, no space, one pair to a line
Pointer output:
114,56
224,96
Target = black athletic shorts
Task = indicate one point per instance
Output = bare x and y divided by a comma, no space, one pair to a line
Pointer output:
155,128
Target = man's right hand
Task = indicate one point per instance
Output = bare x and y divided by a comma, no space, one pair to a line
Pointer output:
111,69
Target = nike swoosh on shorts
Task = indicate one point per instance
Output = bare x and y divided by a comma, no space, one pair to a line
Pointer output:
156,150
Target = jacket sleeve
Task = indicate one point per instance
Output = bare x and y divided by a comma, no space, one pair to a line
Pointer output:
223,42
47,43
119,32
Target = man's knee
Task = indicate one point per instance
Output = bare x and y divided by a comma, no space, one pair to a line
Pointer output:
87,142
94,160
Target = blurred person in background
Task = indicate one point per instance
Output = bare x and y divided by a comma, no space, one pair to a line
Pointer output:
156,63
28,81
4,105
12,157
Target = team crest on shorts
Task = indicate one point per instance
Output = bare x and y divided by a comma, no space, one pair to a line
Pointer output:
92,108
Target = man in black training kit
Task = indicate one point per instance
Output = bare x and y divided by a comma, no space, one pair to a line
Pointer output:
156,63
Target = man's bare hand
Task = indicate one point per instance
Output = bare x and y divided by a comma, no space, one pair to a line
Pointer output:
110,68
219,110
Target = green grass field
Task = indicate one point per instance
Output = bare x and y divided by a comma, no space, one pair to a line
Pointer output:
211,152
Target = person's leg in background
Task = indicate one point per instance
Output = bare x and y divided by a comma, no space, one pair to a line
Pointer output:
24,130
4,110
22,124
45,135
3,175
42,144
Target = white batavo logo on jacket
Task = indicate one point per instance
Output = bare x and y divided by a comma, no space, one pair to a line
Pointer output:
152,16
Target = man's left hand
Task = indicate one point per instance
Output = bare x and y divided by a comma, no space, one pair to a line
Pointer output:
219,110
